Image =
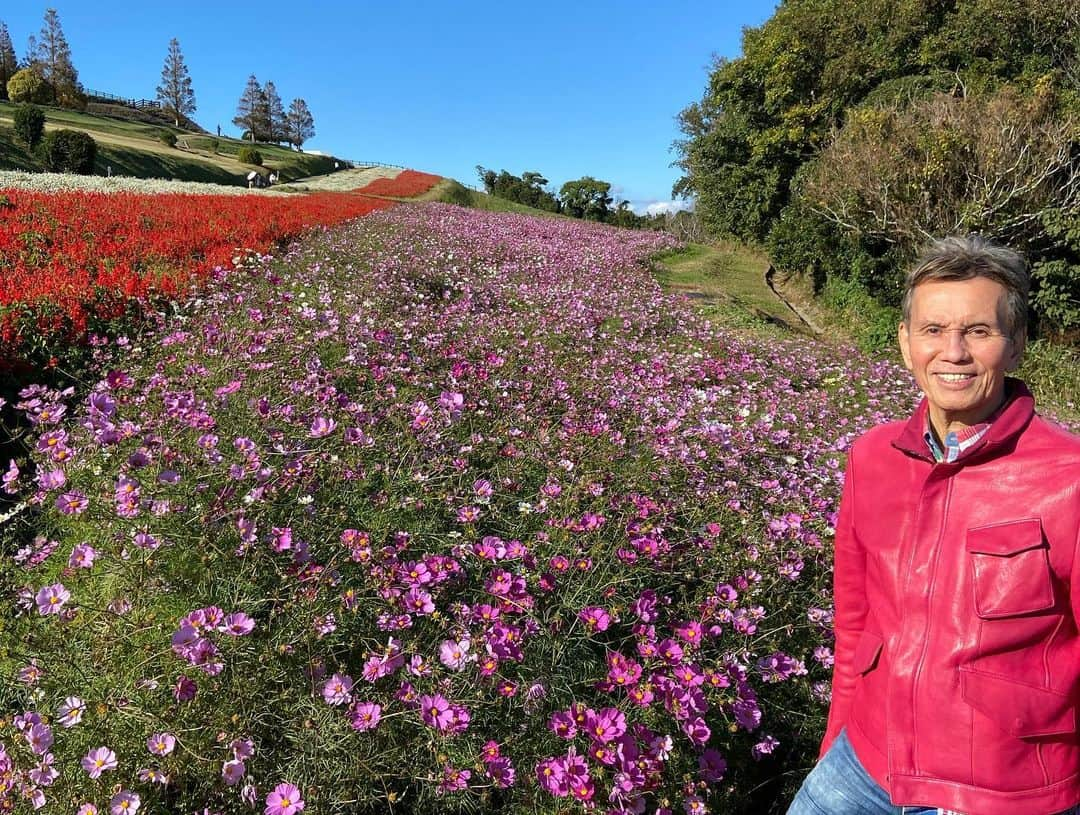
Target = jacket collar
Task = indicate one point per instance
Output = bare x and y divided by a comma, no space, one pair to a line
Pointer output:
1008,423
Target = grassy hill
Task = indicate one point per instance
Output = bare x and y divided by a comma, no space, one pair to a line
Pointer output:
135,148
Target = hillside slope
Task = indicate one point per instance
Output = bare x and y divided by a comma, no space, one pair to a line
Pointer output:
135,148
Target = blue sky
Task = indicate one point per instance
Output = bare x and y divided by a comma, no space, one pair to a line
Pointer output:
564,88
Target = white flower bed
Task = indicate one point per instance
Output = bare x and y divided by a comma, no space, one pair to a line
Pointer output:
64,182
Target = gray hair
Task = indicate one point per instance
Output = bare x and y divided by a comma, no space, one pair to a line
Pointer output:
956,258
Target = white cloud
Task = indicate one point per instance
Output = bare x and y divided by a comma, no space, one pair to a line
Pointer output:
665,207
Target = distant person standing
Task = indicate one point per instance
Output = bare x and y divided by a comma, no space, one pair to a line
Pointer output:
956,679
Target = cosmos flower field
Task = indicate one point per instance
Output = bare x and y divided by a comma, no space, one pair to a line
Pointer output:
434,510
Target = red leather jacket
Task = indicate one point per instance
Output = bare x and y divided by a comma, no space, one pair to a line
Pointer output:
957,660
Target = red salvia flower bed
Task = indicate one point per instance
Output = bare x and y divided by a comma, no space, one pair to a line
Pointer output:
406,184
69,261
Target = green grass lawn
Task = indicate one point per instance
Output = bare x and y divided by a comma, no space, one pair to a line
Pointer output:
728,282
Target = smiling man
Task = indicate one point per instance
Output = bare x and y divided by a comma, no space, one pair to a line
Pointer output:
957,591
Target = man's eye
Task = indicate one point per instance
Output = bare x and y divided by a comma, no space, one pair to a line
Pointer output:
978,333
932,330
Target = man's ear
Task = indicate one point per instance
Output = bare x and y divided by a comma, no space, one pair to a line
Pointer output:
902,339
1017,345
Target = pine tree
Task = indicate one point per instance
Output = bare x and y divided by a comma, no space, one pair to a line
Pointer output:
275,114
299,124
9,63
54,57
175,92
247,109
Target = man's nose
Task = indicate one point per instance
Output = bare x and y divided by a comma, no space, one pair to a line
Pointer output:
956,347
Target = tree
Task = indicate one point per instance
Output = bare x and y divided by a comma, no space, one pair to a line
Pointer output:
586,198
9,63
299,124
275,114
528,189
54,57
28,86
248,110
175,92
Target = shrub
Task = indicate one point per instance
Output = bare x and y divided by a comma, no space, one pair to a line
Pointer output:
456,193
249,155
69,151
29,124
167,137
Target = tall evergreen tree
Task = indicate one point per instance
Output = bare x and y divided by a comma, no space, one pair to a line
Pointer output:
299,123
54,57
9,63
248,108
275,114
175,92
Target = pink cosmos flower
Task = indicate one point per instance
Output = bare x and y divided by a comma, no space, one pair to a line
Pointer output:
161,744
321,427
71,712
454,654
595,618
711,766
72,503
233,771
82,556
435,712
98,761
40,738
338,689
242,749
238,624
87,809
365,715
124,803
51,599
284,800
152,775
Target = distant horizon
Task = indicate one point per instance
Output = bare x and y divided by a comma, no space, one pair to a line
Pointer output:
564,90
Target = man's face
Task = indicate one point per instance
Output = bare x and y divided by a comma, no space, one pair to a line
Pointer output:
956,345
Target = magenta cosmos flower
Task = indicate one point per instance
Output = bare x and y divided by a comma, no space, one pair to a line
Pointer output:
284,800
98,761
51,599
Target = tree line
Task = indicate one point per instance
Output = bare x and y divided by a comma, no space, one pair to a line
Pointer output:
851,131
46,75
586,198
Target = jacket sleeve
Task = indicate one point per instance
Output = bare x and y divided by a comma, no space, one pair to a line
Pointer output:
850,607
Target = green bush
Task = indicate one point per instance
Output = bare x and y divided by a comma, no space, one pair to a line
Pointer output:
167,137
69,151
456,193
29,124
249,155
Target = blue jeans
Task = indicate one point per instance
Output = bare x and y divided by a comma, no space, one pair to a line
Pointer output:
839,785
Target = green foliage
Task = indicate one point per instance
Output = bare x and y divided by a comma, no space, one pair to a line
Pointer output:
29,86
249,155
586,198
894,121
872,324
29,124
454,192
529,189
69,151
167,137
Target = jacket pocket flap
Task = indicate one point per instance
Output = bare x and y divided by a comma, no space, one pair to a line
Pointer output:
866,652
1006,539
1017,707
